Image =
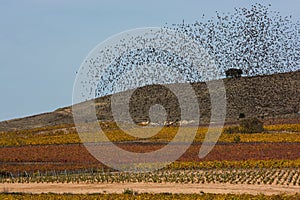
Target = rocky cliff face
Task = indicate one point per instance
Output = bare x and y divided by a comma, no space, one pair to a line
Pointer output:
269,96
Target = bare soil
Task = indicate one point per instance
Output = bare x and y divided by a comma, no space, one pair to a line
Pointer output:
82,188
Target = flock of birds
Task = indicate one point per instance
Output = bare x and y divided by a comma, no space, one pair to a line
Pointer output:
256,40
140,67
161,56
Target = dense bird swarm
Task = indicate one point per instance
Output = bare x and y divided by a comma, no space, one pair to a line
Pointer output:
257,40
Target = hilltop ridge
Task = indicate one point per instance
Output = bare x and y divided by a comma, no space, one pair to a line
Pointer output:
266,97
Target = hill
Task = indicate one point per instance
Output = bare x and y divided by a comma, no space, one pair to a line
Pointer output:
268,97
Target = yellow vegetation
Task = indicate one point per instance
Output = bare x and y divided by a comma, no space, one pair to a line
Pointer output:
66,134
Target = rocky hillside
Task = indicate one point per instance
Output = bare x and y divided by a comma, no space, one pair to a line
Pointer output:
269,96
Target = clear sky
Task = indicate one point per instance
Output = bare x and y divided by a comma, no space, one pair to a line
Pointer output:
43,42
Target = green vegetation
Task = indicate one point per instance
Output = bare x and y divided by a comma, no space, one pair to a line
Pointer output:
237,139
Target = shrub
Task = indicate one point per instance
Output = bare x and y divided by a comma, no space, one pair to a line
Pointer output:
237,139
251,125
128,191
242,115
231,129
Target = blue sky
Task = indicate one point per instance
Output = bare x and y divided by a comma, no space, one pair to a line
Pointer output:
43,42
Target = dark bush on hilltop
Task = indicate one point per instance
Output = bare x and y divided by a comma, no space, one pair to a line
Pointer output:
233,73
251,125
242,115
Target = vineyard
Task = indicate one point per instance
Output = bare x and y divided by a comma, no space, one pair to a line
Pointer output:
66,134
223,175
55,155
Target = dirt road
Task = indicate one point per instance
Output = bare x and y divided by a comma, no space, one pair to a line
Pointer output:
148,187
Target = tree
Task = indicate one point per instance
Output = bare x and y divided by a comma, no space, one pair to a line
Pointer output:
233,73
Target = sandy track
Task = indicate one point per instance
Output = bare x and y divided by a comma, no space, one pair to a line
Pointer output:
148,187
